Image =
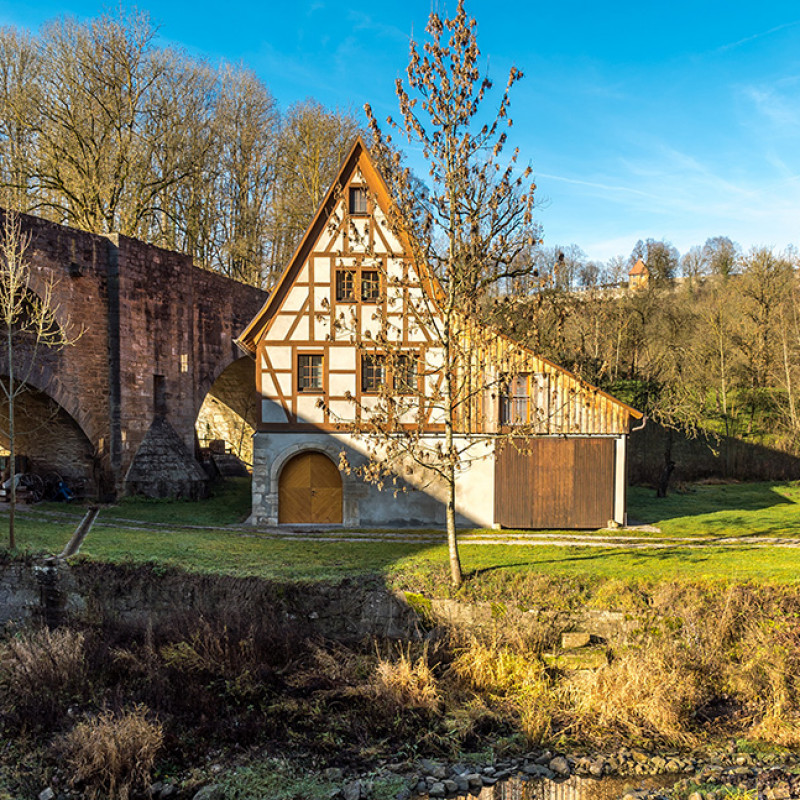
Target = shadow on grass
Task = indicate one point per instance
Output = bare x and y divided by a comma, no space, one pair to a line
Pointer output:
701,499
624,559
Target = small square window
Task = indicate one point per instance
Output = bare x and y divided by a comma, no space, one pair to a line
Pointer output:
370,286
405,375
358,200
373,372
309,373
345,286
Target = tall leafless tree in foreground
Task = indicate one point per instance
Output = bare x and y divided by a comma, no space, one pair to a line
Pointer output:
466,229
29,323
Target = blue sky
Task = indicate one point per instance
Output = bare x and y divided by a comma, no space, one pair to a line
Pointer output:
676,120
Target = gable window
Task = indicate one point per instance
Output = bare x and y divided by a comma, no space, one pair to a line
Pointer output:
309,373
345,286
370,286
358,200
373,372
405,375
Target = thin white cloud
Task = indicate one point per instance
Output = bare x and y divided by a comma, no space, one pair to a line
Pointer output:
605,187
663,192
747,39
781,111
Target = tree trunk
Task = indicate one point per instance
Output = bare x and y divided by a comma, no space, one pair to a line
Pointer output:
12,450
669,466
456,577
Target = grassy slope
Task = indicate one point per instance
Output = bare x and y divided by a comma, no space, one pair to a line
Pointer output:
706,512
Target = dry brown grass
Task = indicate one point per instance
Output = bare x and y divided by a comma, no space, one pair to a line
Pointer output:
212,649
646,694
407,681
112,756
765,674
40,672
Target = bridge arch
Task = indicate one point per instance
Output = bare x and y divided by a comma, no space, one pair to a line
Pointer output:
50,438
229,409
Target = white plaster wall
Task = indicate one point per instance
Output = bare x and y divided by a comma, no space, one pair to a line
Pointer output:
342,358
280,327
268,384
339,384
301,332
295,299
341,410
307,410
281,357
271,411
621,480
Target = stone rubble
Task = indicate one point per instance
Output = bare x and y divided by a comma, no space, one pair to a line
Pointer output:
714,775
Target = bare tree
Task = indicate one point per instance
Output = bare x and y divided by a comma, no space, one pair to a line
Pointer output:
467,231
311,145
30,323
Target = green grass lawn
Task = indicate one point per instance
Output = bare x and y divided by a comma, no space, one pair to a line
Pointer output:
721,510
703,513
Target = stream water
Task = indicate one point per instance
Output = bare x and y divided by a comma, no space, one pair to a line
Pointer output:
575,788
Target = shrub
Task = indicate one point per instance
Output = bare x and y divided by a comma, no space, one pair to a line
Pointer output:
41,671
112,756
514,681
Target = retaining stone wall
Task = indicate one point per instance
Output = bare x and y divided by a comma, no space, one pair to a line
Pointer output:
140,596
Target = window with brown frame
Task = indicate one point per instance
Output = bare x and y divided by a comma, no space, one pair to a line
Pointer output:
345,286
515,402
309,373
358,200
373,372
405,378
370,286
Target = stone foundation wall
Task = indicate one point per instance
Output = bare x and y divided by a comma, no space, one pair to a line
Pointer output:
415,501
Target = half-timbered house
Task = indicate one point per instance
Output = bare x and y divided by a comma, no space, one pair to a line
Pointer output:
319,371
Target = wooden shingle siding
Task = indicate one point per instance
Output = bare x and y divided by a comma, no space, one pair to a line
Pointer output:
555,482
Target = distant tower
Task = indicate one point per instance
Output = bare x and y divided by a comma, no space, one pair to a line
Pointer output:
638,275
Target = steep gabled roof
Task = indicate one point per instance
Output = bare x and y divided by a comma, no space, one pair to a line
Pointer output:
358,158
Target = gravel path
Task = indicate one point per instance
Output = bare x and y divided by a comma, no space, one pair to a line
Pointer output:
636,537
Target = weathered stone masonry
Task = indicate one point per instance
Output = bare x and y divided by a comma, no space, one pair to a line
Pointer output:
156,332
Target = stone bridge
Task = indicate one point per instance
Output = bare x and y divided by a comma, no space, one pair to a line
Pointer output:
155,336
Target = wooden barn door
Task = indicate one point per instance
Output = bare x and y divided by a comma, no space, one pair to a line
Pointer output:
310,491
555,483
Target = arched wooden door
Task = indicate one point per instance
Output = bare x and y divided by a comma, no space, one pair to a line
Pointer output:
310,491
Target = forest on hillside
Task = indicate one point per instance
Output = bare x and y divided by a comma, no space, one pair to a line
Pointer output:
709,347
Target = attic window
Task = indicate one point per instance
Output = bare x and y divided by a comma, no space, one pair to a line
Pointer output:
358,200
515,403
405,379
